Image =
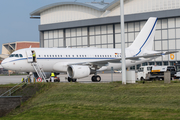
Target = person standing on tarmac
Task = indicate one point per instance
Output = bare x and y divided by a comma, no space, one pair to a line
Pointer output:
34,56
52,76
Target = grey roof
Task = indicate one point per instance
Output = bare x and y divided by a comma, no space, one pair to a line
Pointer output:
99,7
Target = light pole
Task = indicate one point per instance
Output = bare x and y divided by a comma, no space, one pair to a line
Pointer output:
123,63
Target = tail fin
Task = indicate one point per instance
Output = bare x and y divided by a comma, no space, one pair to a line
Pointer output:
145,38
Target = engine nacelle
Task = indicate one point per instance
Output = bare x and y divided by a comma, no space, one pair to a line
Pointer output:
78,71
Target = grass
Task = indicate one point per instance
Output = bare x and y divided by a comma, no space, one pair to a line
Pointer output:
152,100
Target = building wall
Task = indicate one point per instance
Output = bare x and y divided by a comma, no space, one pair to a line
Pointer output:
65,13
68,13
18,45
22,45
142,6
4,50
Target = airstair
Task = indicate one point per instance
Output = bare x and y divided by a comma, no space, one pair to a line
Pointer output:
39,71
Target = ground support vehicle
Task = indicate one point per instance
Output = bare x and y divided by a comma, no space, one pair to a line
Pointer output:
155,72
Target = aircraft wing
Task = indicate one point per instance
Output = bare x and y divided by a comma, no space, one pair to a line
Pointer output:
117,60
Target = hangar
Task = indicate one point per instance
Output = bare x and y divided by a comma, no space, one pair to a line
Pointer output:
96,24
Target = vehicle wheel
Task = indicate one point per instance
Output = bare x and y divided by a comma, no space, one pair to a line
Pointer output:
142,79
69,79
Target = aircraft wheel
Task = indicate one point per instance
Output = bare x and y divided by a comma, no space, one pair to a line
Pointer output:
74,80
69,79
93,78
98,78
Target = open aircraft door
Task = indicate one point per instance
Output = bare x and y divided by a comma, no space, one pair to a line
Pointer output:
29,56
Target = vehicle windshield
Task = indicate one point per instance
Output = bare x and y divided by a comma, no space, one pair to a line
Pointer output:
171,69
149,68
141,70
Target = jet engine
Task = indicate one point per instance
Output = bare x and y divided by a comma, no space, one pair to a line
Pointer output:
78,71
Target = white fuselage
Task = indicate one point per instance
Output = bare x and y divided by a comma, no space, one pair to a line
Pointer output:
57,59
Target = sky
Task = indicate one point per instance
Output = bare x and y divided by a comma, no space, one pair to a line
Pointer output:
15,22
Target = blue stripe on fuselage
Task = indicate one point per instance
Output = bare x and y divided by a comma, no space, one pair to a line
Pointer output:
147,38
59,58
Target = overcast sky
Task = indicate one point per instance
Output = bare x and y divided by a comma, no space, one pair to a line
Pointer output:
15,22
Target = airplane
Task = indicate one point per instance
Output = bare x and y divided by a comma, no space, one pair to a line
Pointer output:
81,62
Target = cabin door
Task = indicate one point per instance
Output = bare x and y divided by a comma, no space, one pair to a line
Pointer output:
29,56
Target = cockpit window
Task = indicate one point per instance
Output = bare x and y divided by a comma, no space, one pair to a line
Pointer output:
12,55
16,55
20,55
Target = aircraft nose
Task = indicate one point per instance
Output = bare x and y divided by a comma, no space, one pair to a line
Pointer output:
5,64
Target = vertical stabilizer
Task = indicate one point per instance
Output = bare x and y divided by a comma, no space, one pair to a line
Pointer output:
145,38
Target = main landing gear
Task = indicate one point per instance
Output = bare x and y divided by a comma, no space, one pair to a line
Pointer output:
96,78
71,80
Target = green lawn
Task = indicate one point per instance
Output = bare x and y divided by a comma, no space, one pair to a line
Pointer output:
152,100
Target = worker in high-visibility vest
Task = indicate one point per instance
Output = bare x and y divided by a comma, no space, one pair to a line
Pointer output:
52,77
34,56
22,80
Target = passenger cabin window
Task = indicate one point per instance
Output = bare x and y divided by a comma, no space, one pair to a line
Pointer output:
20,55
44,55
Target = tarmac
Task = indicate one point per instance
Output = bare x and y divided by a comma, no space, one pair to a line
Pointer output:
108,77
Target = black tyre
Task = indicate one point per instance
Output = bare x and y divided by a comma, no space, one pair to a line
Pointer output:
74,80
93,78
142,79
69,79
98,78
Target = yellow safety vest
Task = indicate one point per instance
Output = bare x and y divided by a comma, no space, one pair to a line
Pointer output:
52,75
34,54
